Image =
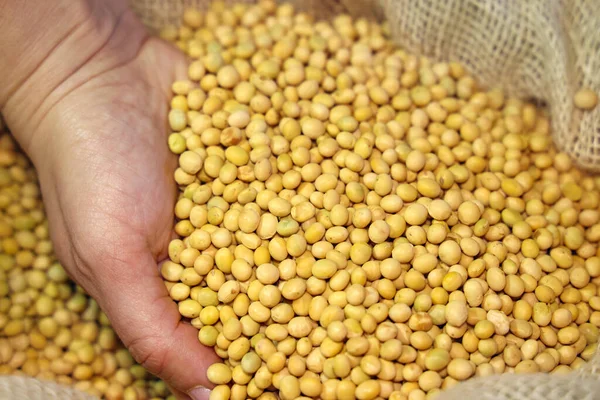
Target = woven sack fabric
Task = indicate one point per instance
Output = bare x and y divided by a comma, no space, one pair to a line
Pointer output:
25,388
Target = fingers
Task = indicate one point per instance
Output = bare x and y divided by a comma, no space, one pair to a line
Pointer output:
149,324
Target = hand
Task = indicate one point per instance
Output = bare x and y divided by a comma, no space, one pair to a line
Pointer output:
100,148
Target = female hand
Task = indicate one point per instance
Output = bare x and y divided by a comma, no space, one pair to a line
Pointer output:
98,138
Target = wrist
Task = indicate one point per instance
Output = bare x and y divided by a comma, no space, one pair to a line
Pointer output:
63,45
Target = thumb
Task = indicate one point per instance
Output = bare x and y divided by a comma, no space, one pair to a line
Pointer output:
149,324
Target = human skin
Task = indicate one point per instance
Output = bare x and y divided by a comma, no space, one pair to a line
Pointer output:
85,91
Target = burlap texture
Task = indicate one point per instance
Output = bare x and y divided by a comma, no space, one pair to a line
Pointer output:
538,386
583,384
25,388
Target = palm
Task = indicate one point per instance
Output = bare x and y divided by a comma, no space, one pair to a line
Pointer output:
114,191
109,193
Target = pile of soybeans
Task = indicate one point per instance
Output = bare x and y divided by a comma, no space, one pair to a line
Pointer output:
360,222
49,327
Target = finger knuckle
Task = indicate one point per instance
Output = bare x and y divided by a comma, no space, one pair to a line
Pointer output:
150,353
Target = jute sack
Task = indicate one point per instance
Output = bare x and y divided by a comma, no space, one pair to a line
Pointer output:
25,388
536,49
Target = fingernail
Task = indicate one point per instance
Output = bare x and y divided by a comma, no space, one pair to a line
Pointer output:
199,393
